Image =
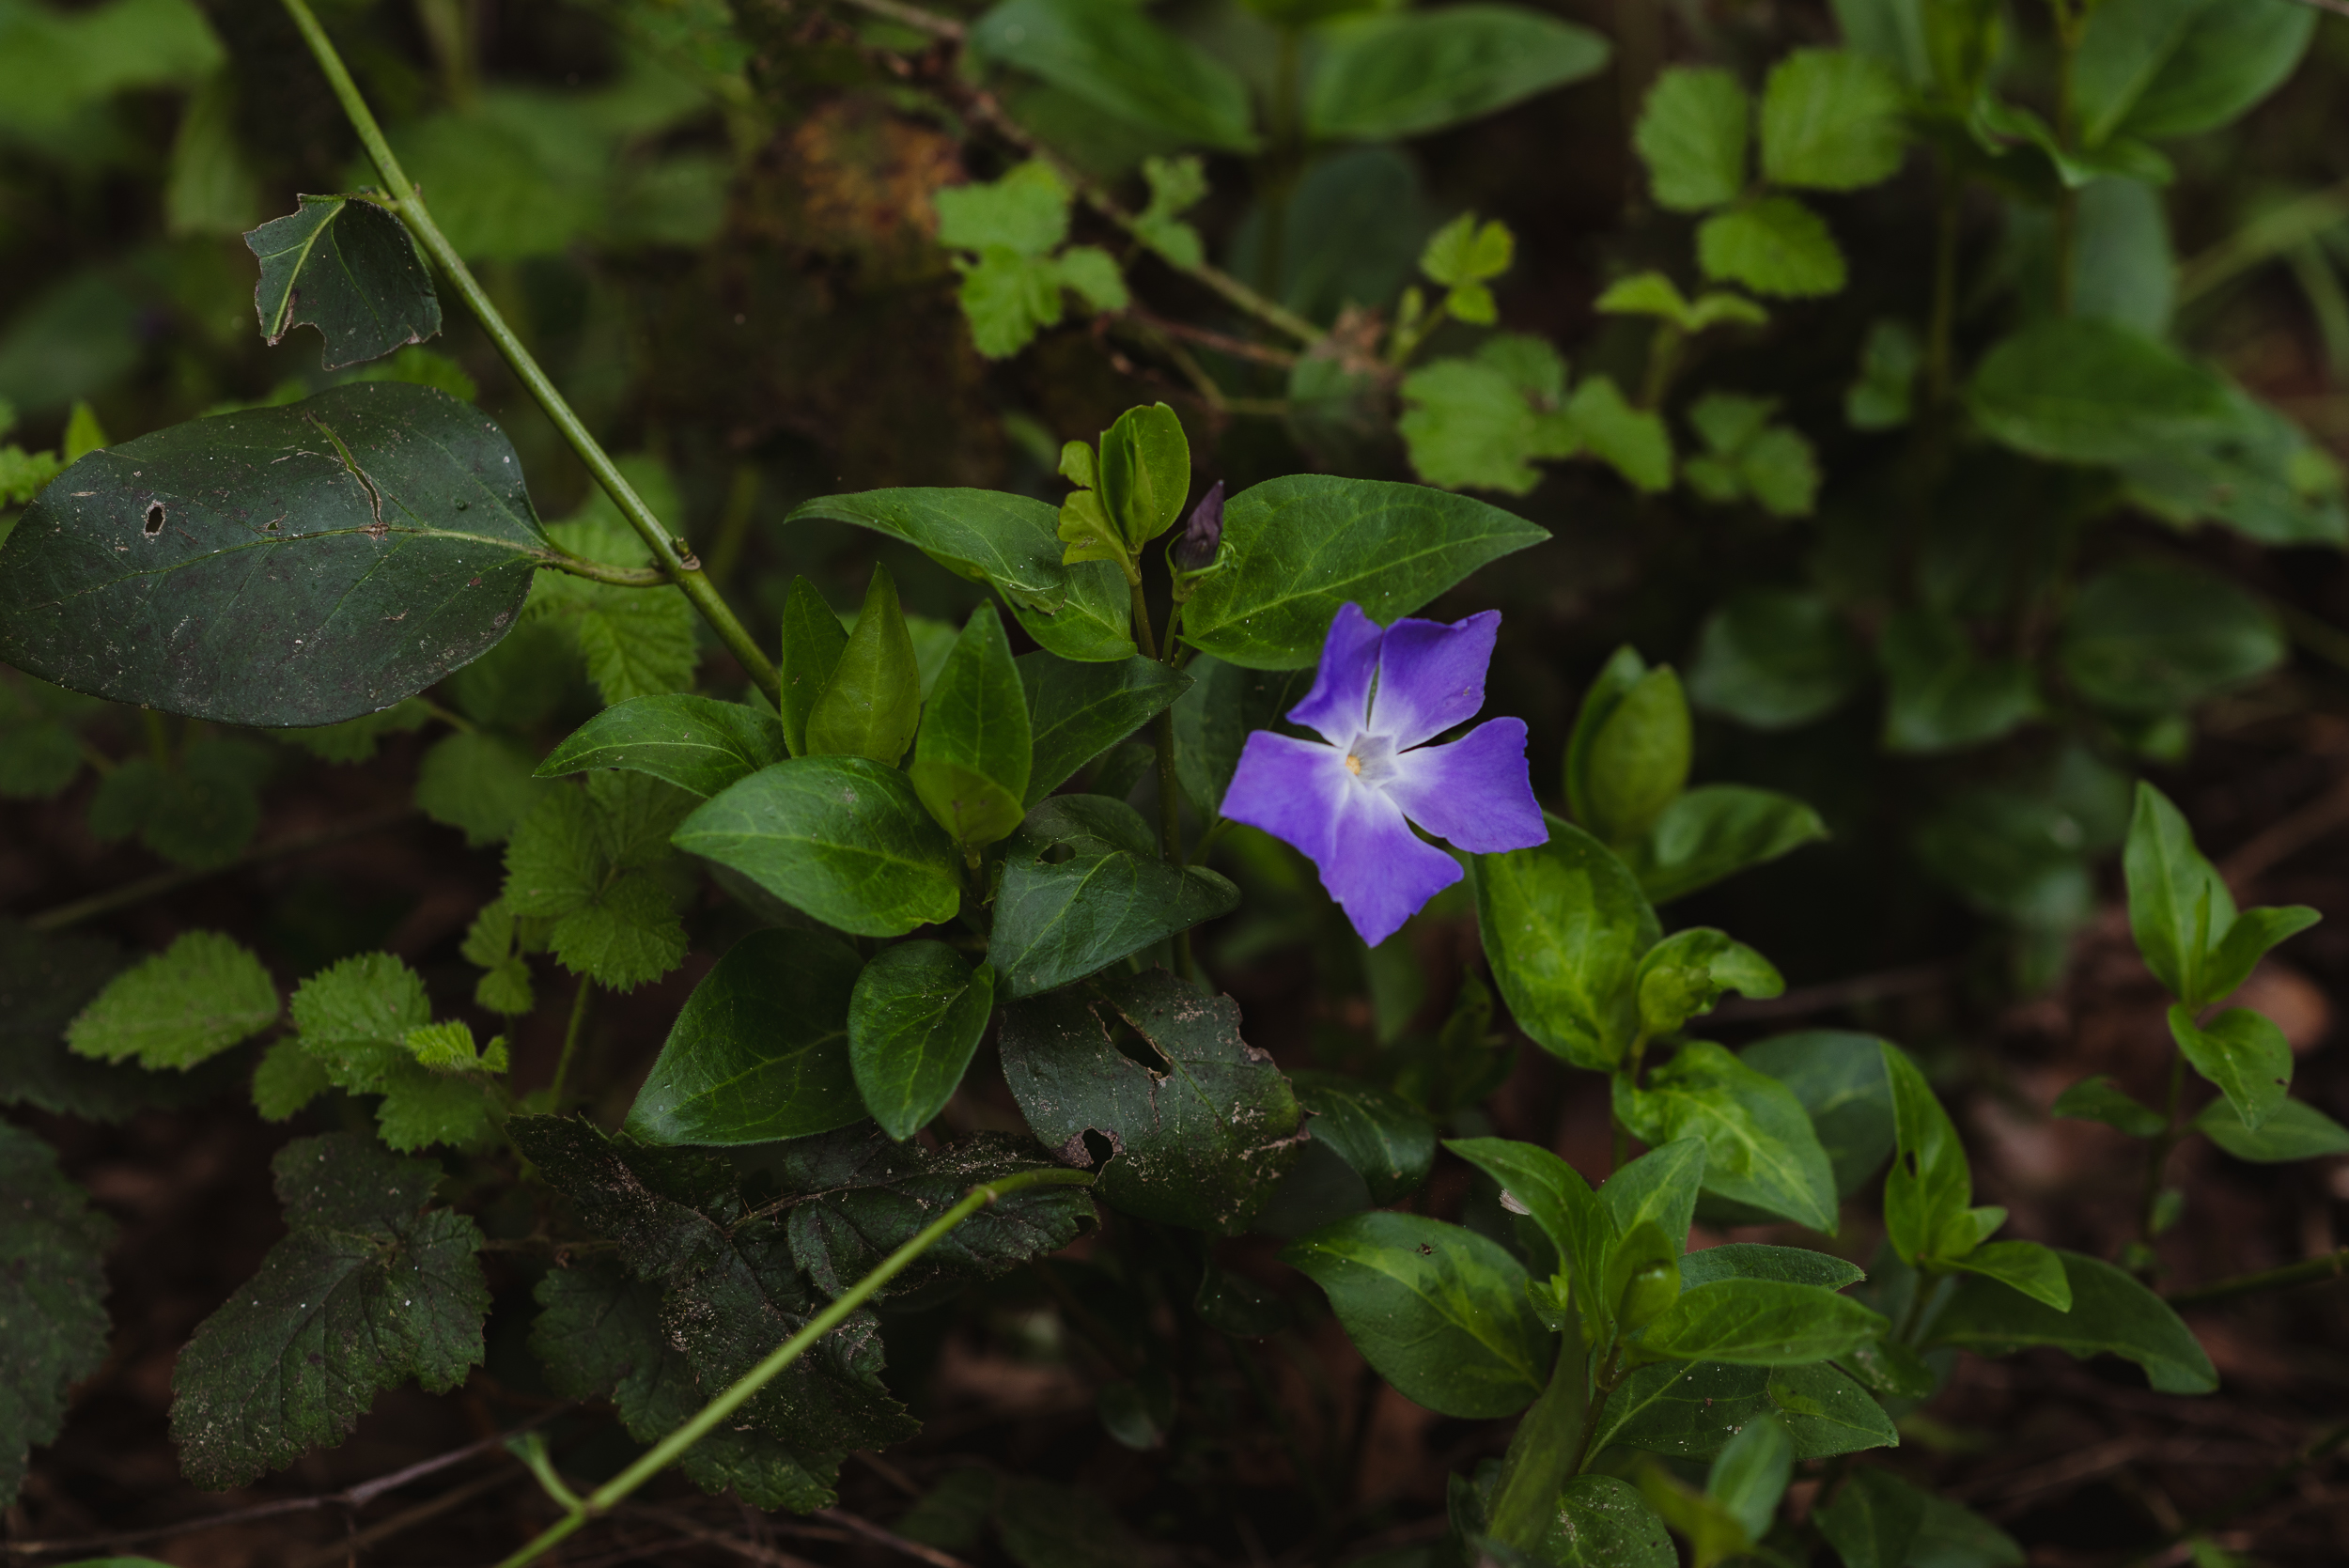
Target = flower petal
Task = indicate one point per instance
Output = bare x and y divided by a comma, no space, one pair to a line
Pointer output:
1477,792
1431,677
1339,704
1291,788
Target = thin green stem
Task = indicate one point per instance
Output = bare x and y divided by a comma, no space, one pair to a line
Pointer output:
670,1449
162,882
1663,361
669,553
572,1033
2070,21
158,736
2332,1265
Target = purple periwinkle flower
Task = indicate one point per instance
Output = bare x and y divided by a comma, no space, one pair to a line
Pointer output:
1349,805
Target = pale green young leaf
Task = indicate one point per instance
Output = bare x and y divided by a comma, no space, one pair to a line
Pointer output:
1759,1146
2244,1054
1685,975
1564,926
872,702
83,434
1633,442
479,783
450,1048
1092,274
371,1287
1635,765
1654,294
2036,1271
1177,185
914,1022
1144,473
2179,905
1832,119
1008,297
1463,252
1692,132
1930,1184
1482,423
53,1292
1025,212
1774,246
2294,1130
1624,670
200,996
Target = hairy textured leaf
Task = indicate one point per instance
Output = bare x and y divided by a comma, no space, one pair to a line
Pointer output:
370,1287
842,838
1441,1311
914,1022
53,1292
1397,74
1078,711
290,566
2110,1315
347,267
584,859
200,996
760,1049
1564,925
1197,1137
45,981
1061,920
1759,1146
696,743
1295,549
1832,119
1692,133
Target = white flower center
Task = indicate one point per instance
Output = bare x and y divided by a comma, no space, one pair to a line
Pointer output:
1371,758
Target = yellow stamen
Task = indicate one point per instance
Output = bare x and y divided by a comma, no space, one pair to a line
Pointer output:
1353,764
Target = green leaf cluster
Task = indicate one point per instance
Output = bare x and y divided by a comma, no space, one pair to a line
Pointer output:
365,1026
1017,268
589,860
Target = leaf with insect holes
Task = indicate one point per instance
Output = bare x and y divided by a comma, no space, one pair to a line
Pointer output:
290,565
346,265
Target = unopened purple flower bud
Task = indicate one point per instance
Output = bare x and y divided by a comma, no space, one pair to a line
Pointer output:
1203,534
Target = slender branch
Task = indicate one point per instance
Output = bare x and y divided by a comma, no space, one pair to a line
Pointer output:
602,571
916,17
2164,1143
2332,1265
670,1449
2317,1449
1223,343
669,553
2265,237
573,1033
162,882
890,1539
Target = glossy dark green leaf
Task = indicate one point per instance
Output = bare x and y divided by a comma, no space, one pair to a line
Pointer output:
1295,549
2074,389
1660,1187
345,266
1390,1145
696,743
872,701
1397,74
971,761
2099,1099
1930,1184
1839,1078
2294,1130
812,639
2179,905
842,838
1750,1260
1078,711
1691,1409
1941,693
1213,719
2243,1053
283,566
760,1049
1760,1323
2024,1265
1440,1312
1872,1519
915,1021
1083,887
1775,659
1715,830
1636,763
1198,1124
1602,1523
1125,65
1012,542
2111,1314
1555,1196
370,1286
1564,925
53,1295
1760,1147
2150,638
1685,975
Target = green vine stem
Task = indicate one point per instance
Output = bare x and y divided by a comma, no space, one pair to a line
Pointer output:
676,562
2331,1265
670,1449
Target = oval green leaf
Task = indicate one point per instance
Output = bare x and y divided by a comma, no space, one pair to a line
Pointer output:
1078,711
1564,926
1404,73
1059,921
699,744
914,1022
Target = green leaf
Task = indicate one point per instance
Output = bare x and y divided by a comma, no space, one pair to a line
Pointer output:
200,996
1197,1138
2154,70
813,640
971,759
1691,1409
52,1294
2179,905
280,567
2294,1130
1632,442
1010,541
1654,294
1391,1145
634,641
1775,246
371,1286
1125,65
760,1049
1943,694
1832,119
1954,1536
1635,764
696,743
2244,1054
1580,1227
581,859
1078,711
1177,185
1716,831
353,1020
914,1022
1713,1532
1460,254
1760,1148
2149,638
1062,916
45,981
1660,1189
201,813
2111,1314
1930,1184
2075,389
347,267
1750,1475
1624,671
1388,76
1685,975
1008,299
872,702
1602,1523
2036,1271
1774,659
357,740
288,1078
1440,1312
1760,1323
1692,132
842,838
2228,965
1295,549
1145,473
1750,1259
1872,1520
1883,396
2099,1099
479,783
1564,926
1750,458
1213,721
1482,423
1839,1078
1026,211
